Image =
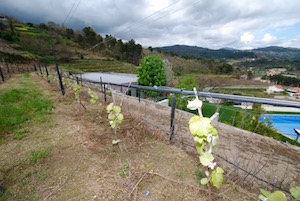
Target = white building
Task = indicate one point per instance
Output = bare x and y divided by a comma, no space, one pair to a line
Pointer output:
275,89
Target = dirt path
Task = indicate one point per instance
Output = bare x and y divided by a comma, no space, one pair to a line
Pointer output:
82,164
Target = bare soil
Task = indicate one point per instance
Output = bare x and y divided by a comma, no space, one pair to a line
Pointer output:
82,163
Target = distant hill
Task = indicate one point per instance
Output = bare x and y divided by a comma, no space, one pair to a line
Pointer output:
281,53
194,51
291,54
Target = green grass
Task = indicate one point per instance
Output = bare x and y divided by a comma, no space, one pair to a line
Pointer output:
37,155
228,114
18,107
105,65
254,92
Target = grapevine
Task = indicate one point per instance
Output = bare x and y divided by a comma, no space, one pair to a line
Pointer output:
205,136
115,119
77,91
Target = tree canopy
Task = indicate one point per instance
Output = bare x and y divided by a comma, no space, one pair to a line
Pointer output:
151,72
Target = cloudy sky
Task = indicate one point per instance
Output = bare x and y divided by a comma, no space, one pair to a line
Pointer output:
214,24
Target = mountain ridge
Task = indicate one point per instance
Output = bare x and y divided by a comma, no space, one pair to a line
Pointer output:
271,52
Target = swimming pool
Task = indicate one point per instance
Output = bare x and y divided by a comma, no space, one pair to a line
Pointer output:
284,123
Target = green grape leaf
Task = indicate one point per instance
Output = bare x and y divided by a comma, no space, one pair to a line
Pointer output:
216,177
90,92
204,181
277,196
194,125
200,147
200,127
111,116
264,192
213,131
113,124
93,101
206,159
120,117
109,107
219,170
199,140
295,192
117,109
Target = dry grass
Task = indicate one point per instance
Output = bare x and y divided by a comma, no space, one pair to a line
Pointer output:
82,164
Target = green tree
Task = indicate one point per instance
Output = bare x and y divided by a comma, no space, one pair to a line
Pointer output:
132,52
187,83
250,74
90,36
69,33
151,72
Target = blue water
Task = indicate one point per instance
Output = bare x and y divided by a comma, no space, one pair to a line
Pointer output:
284,124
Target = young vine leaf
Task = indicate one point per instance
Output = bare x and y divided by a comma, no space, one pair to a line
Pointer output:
77,90
295,192
94,98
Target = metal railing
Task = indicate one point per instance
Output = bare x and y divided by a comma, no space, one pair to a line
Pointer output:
246,99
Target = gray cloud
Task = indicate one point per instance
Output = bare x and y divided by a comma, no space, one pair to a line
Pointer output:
212,24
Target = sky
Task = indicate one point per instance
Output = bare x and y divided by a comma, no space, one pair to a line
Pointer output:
214,24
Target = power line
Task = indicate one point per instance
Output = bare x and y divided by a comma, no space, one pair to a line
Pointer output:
69,12
147,17
122,31
73,13
162,16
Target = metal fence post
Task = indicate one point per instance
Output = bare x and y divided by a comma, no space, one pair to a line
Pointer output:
172,118
139,91
46,70
297,133
104,93
59,75
101,84
35,68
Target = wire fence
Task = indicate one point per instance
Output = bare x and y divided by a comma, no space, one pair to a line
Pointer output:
249,159
7,70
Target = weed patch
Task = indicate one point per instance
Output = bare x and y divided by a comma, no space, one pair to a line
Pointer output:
18,106
37,155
